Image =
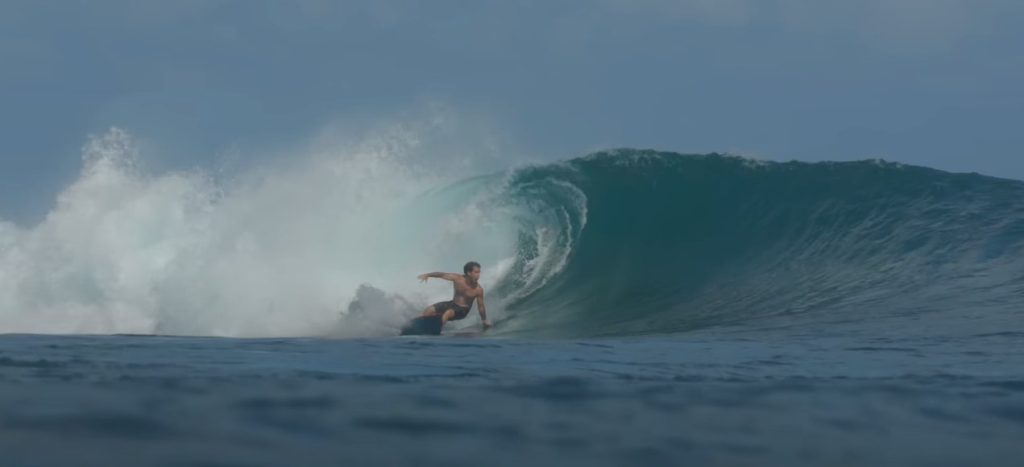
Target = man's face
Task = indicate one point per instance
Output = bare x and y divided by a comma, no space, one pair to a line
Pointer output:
474,274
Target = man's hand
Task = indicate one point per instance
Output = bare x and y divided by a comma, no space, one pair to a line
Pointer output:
487,325
423,277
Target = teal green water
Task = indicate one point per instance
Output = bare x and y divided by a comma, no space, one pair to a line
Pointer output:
673,243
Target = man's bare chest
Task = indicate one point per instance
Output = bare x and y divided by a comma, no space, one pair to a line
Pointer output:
467,291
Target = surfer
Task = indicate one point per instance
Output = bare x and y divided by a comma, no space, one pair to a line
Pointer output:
467,289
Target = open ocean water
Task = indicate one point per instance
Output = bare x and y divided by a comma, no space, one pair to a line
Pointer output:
650,309
701,399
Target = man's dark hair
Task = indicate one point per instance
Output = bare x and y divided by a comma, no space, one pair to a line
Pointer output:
469,267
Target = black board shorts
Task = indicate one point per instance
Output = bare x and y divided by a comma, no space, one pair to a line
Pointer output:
460,311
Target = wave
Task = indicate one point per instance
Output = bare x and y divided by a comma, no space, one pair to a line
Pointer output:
614,243
651,242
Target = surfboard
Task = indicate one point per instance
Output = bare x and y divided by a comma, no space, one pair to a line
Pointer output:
431,326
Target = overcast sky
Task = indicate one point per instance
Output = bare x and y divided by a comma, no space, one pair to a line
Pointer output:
930,82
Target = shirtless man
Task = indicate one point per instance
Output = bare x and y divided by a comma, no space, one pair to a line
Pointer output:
467,289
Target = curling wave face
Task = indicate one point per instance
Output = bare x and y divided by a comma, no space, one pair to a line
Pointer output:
653,242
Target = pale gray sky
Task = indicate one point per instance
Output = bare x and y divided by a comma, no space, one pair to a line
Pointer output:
930,82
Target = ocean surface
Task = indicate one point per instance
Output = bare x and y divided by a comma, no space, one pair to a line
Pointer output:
696,399
650,309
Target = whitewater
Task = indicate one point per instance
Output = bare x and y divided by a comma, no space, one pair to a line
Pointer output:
650,308
273,251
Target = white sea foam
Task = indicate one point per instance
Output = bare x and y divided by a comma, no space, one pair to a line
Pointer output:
278,251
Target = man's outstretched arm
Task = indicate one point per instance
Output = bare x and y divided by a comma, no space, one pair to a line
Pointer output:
440,275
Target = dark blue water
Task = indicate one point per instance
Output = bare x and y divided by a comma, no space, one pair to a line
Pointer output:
706,398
